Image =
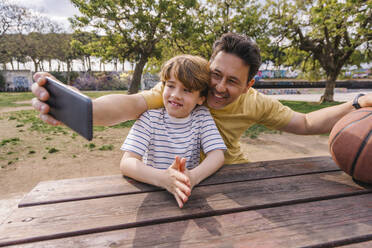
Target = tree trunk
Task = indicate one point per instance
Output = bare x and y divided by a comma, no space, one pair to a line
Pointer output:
89,64
329,91
36,65
68,71
83,62
136,79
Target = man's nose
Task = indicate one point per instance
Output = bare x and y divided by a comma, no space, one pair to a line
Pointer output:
221,85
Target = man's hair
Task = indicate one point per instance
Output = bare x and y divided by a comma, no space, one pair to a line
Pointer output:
192,71
241,46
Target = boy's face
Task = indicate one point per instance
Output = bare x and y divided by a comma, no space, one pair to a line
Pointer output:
229,76
179,101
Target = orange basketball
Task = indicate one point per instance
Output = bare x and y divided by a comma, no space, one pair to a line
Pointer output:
350,144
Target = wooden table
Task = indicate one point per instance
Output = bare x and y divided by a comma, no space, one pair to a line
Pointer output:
306,202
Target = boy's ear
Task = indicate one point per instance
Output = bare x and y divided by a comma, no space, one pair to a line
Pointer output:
201,100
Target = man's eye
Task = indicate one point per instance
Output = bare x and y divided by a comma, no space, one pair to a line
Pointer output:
215,75
187,90
232,81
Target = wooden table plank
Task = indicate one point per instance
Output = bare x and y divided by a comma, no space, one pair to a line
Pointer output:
315,224
95,187
358,245
103,214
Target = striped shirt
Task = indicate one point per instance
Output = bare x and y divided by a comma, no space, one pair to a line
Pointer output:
158,137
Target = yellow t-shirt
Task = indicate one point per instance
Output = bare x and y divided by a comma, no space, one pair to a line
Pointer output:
232,120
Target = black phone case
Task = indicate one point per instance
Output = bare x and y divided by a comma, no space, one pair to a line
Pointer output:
70,107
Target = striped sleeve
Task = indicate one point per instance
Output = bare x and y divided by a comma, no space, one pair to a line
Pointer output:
139,136
210,137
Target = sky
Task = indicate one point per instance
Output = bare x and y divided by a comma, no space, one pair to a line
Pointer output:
56,10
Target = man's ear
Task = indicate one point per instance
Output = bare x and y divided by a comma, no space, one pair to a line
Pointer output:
249,85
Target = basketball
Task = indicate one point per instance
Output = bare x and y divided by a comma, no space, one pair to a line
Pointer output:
350,144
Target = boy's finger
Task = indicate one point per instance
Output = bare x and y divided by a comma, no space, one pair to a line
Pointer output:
175,164
179,202
183,178
182,196
182,165
184,188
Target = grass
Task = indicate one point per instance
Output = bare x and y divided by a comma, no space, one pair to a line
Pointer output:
10,99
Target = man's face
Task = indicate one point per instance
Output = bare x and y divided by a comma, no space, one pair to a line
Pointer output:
229,76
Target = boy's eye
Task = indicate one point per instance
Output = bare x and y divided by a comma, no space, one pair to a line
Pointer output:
187,90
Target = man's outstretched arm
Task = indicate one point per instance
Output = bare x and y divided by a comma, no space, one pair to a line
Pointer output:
322,121
107,110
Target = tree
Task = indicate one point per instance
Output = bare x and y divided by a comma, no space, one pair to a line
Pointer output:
329,31
12,21
133,27
12,18
216,17
38,41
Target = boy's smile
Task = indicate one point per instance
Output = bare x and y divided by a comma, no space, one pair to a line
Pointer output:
178,100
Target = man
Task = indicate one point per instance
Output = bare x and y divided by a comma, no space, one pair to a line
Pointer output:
234,105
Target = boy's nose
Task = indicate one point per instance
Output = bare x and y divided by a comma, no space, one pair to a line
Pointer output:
176,94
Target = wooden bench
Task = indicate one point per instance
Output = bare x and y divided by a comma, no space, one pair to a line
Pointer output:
305,202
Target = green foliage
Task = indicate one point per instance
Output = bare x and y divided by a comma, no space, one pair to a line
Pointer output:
327,32
106,148
131,29
53,150
12,141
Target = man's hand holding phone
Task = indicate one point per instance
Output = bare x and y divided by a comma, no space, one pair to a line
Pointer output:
42,95
58,103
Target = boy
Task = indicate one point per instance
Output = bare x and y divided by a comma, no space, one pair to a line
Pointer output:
180,129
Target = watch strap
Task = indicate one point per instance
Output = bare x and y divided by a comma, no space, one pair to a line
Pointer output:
355,101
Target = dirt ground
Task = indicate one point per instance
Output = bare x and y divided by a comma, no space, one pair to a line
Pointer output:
33,156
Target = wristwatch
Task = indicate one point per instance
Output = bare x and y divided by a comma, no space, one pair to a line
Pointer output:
355,101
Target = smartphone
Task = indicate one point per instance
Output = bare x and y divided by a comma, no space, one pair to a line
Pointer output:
71,107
